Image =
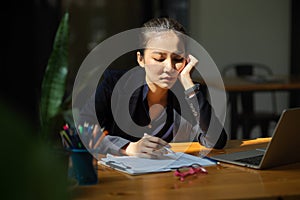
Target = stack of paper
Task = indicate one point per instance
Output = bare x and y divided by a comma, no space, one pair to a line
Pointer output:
135,165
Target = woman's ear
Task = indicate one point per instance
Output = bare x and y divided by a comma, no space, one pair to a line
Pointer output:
140,59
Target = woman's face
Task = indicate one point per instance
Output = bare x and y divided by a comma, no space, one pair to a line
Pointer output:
163,59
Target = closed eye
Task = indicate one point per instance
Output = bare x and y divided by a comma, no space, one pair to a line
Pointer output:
179,59
159,59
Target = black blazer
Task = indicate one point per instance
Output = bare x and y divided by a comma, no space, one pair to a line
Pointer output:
127,119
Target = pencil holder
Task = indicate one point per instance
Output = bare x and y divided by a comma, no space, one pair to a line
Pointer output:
83,167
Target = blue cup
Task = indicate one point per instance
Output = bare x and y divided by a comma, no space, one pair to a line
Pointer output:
83,167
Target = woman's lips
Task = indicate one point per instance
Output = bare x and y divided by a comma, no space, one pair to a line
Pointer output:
168,78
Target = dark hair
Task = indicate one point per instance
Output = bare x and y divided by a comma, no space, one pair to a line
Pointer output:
164,23
159,25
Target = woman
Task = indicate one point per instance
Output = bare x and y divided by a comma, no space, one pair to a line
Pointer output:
167,106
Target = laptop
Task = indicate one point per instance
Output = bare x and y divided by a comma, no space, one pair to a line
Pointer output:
283,148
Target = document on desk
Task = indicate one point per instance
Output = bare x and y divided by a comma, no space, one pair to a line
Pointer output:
134,165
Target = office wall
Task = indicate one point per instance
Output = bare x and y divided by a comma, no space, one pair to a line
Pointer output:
230,30
245,30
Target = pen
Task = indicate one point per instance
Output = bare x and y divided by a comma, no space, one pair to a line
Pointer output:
66,140
213,160
65,136
166,148
104,133
169,150
80,128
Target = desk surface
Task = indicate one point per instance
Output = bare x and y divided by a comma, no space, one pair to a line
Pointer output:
223,181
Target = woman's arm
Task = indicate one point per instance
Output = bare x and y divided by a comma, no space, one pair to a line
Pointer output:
212,132
114,143
97,111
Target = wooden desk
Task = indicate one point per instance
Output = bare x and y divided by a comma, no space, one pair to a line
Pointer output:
236,85
223,181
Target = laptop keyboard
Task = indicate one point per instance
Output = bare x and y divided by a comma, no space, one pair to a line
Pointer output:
251,160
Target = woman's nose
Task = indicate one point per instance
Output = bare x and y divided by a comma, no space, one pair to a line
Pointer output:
168,65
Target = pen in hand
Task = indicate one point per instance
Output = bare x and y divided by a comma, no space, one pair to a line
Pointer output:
166,147
169,150
170,153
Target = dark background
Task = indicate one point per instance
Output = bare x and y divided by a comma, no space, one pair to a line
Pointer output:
28,30
27,34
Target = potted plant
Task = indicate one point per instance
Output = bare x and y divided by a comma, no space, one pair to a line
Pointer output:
53,105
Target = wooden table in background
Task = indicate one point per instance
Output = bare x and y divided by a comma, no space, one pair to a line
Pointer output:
278,83
223,181
236,85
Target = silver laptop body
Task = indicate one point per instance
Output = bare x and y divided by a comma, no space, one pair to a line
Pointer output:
283,148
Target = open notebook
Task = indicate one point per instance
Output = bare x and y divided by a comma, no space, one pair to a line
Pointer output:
282,149
134,165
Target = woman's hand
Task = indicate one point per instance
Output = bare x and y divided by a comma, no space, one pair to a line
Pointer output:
147,147
184,75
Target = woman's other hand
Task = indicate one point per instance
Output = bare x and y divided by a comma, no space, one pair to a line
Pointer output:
185,74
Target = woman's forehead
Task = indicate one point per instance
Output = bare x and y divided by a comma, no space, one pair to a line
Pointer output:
167,41
159,51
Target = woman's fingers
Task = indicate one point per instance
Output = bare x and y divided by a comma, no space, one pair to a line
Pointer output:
185,76
154,146
156,141
147,147
191,63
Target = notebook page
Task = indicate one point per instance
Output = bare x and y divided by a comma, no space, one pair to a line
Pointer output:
145,165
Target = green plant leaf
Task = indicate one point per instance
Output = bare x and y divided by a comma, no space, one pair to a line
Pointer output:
54,81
